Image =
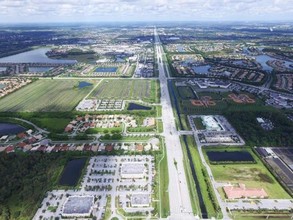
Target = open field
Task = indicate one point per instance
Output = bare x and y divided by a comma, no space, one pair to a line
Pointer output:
252,175
45,96
127,89
52,124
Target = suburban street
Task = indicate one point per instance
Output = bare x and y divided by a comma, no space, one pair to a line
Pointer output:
180,205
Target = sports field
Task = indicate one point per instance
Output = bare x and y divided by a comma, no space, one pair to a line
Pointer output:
46,96
252,175
127,89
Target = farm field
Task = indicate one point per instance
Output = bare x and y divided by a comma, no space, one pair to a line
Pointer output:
127,89
45,96
252,175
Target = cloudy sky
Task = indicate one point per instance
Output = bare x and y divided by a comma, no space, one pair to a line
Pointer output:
144,10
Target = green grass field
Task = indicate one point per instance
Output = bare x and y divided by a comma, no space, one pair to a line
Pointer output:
52,124
199,124
45,96
185,92
252,175
127,89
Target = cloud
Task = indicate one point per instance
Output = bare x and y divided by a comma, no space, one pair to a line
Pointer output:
132,10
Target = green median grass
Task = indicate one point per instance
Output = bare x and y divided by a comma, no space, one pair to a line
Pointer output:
205,185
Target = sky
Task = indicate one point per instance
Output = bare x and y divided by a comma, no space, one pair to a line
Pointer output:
47,11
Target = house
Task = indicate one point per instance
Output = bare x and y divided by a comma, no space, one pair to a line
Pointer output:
32,140
4,138
109,148
21,135
29,132
87,147
69,128
21,145
139,147
9,149
149,122
64,147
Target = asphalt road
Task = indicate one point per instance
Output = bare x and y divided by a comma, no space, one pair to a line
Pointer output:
180,205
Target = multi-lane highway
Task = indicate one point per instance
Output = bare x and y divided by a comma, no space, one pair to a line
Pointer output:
180,205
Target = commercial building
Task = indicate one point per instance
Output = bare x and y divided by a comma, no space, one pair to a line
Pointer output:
210,123
134,170
240,191
78,206
140,200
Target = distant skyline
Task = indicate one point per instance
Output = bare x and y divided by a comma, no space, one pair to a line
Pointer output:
46,11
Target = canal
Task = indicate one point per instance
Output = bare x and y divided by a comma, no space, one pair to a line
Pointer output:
202,206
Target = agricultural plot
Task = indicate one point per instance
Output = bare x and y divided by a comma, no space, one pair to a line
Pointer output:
127,89
253,175
45,96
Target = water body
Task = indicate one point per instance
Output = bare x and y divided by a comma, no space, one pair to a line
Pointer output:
39,69
262,59
201,69
83,84
2,86
34,56
288,64
134,106
180,49
239,62
2,69
232,156
120,60
72,172
106,69
10,129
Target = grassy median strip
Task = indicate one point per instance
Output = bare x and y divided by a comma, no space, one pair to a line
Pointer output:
206,187
164,183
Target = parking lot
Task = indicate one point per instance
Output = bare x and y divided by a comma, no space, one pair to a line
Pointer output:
125,181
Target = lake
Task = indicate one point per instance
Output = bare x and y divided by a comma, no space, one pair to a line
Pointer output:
201,69
10,128
33,56
262,59
180,49
230,156
106,69
134,106
83,84
39,69
72,172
